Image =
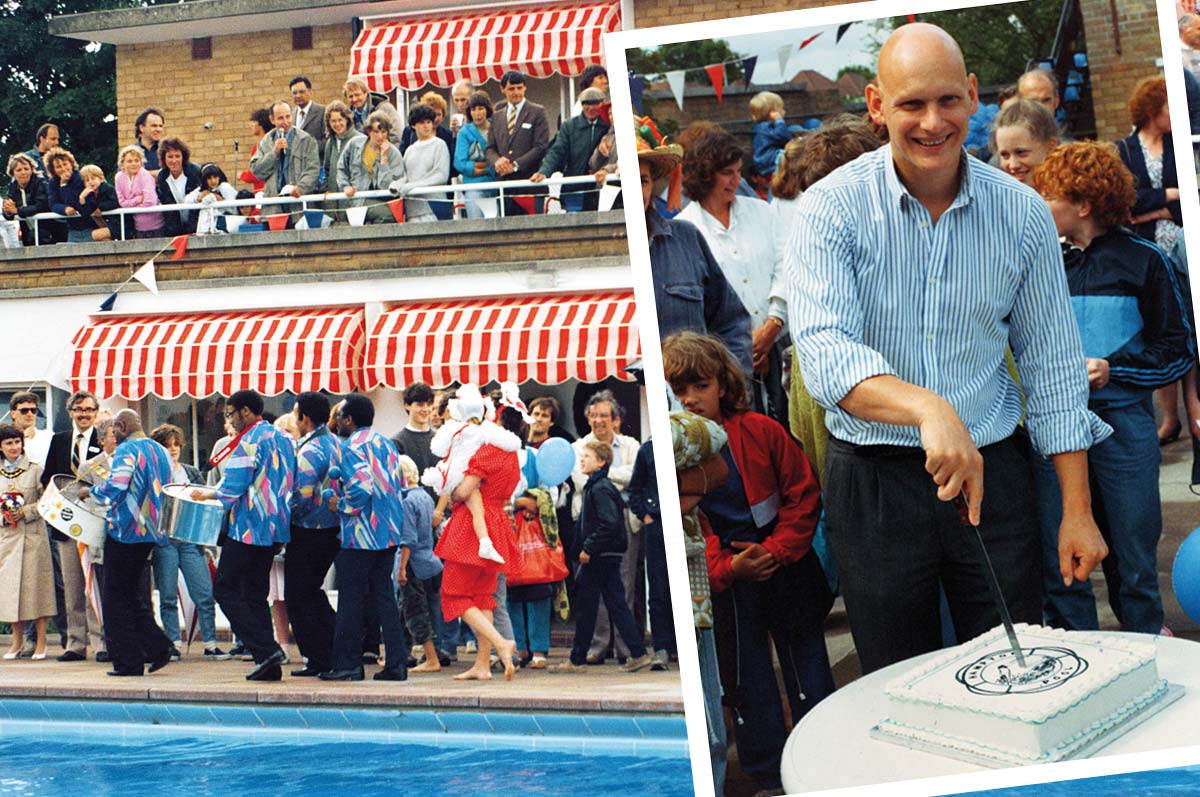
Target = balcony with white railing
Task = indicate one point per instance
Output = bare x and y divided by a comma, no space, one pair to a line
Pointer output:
344,249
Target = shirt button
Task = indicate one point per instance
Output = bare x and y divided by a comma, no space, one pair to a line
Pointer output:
928,336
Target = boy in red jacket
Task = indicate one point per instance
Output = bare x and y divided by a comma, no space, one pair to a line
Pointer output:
767,585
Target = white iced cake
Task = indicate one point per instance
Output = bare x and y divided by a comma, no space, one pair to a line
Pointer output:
975,701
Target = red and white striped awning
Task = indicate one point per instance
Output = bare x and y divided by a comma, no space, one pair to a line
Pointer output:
548,339
479,46
199,354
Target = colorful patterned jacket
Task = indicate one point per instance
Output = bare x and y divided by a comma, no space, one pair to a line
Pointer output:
133,492
257,486
315,454
370,492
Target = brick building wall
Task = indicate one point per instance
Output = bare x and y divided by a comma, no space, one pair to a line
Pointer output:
246,71
1114,75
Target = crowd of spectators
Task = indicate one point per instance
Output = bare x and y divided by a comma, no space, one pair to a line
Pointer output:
304,149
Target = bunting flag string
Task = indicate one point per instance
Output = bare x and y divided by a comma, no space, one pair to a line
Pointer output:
677,79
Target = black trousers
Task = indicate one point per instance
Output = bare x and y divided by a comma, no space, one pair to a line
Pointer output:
365,579
308,557
241,589
130,633
895,543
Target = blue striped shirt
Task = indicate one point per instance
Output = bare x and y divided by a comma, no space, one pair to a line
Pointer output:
876,288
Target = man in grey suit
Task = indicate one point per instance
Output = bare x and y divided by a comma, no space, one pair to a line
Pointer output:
308,114
286,157
518,137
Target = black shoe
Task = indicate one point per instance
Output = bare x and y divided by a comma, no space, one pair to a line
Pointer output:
412,661
161,660
443,658
355,674
266,672
268,669
307,671
388,674
175,654
125,673
103,657
238,650
71,655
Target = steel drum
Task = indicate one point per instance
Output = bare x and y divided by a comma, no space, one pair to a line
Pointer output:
187,520
61,508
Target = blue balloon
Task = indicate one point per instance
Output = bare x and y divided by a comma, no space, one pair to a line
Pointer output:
555,461
1185,575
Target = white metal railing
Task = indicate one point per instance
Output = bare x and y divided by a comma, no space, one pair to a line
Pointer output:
500,186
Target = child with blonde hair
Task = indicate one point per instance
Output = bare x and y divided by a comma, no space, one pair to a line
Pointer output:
771,131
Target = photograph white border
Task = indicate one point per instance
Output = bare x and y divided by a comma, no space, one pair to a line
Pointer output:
615,45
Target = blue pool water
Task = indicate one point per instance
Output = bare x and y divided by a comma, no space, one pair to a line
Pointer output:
1173,782
84,749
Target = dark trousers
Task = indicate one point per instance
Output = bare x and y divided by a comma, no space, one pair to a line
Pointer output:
787,609
414,603
601,578
308,557
241,589
894,542
662,624
365,578
131,635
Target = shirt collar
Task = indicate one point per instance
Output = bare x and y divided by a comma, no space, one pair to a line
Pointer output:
900,195
656,225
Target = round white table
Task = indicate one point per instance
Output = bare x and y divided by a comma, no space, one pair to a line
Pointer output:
831,747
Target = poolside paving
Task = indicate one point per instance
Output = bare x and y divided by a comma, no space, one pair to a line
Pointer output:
601,689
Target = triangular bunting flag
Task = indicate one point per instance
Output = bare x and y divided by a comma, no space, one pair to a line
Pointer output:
109,303
842,31
608,195
145,275
487,206
809,40
716,73
748,65
525,203
397,208
784,52
912,17
675,81
637,85
179,244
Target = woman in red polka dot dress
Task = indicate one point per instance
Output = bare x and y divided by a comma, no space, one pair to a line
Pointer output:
469,581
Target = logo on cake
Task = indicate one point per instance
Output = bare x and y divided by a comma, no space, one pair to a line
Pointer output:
999,674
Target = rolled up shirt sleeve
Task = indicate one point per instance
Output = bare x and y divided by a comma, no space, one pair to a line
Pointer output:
825,316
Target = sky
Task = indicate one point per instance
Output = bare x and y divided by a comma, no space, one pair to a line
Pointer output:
823,54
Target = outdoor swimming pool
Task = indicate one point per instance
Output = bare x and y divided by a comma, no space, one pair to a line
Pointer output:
86,749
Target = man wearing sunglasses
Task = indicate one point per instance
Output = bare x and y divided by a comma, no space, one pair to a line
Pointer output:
23,409
68,451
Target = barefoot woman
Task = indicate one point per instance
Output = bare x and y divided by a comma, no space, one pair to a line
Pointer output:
469,581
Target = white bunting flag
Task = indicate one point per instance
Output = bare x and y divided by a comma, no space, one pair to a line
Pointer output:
145,275
675,81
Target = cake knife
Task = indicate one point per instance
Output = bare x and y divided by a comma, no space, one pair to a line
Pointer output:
964,514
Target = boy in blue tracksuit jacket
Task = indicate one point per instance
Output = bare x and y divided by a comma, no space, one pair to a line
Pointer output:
1136,338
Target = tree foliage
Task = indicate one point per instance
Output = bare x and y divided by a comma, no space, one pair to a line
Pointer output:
999,40
69,82
857,69
692,56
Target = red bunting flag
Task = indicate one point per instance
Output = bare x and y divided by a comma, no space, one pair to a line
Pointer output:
912,17
716,73
397,208
809,40
179,244
526,203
